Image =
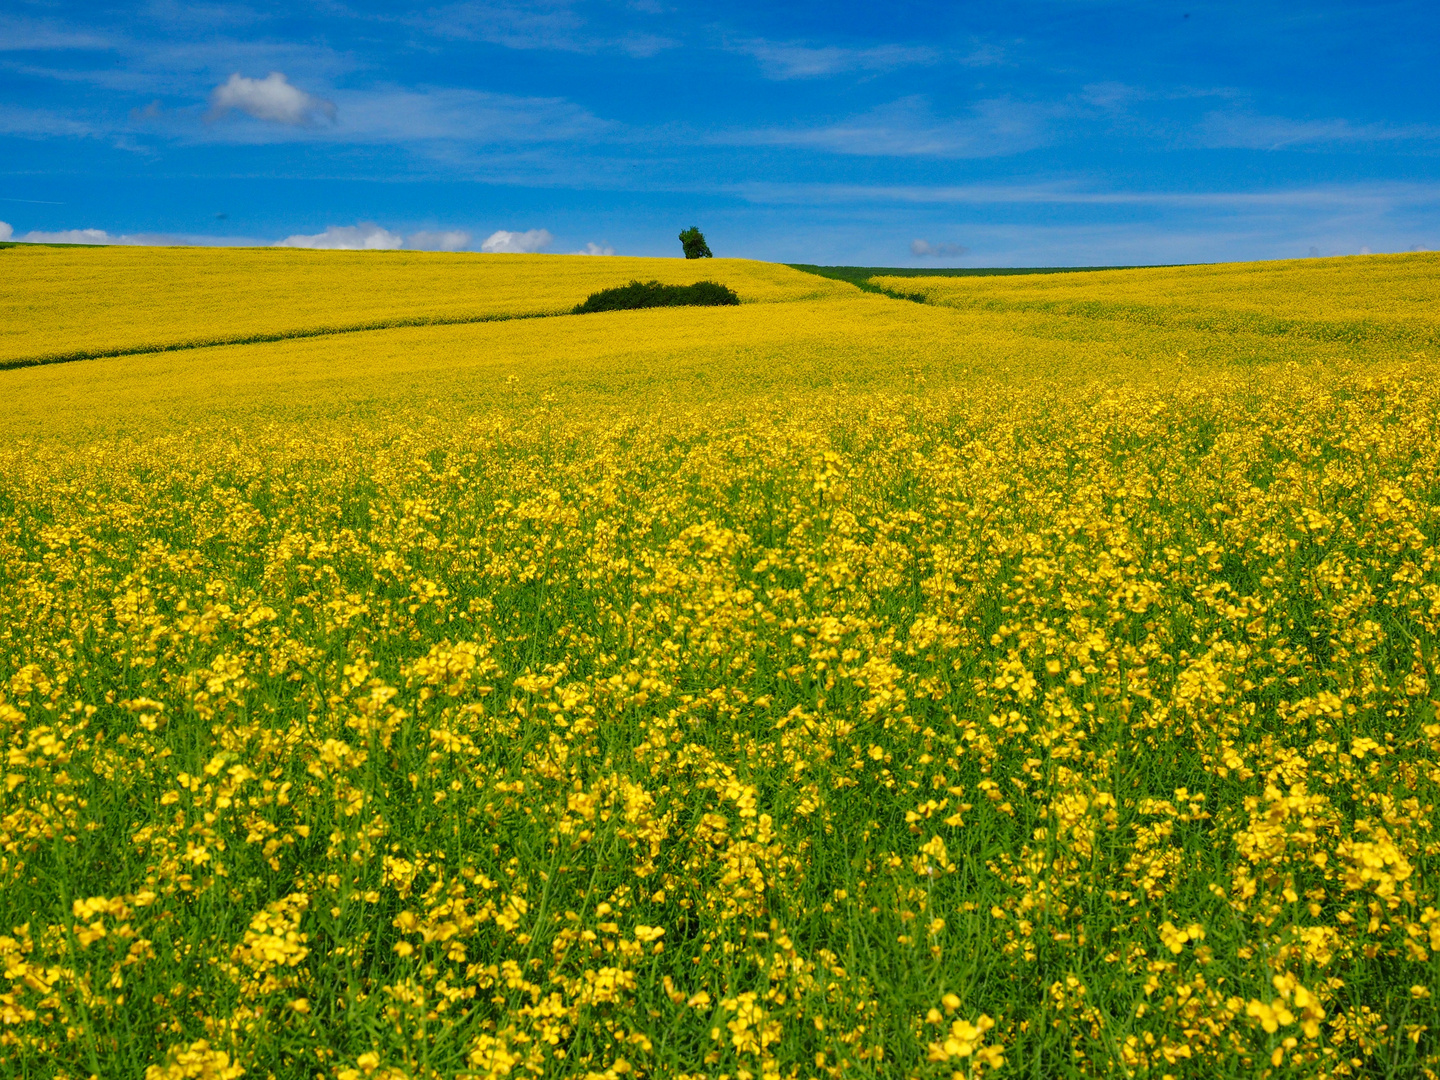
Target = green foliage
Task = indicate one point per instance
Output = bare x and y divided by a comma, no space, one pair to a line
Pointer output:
693,240
648,294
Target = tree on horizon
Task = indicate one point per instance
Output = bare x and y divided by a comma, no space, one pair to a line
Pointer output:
693,241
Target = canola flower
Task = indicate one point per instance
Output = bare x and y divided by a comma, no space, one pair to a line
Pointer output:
954,721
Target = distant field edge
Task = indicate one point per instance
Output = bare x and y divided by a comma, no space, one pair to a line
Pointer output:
860,276
256,339
37,243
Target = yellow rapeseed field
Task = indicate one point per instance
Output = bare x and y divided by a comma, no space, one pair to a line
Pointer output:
1379,301
833,687
59,303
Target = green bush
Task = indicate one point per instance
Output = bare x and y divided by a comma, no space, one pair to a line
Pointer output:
648,294
693,241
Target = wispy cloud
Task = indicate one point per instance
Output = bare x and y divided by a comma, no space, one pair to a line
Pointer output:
593,248
203,16
6,231
517,243
1245,130
1379,195
539,24
792,60
272,99
397,116
908,128
543,25
29,35
1114,96
15,120
474,116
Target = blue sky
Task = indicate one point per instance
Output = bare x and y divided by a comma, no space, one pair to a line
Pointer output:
1067,132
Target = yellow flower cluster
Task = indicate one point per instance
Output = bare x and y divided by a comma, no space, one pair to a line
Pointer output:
963,1040
825,688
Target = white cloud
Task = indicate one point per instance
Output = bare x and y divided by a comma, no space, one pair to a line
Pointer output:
517,243
595,249
367,236
6,231
441,240
924,248
74,236
272,99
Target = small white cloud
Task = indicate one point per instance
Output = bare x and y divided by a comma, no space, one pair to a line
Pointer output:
441,240
595,249
6,231
272,98
367,236
517,243
923,248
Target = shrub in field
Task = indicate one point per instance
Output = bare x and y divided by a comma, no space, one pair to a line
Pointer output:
648,294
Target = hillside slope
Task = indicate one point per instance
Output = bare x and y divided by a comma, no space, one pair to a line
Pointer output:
71,303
